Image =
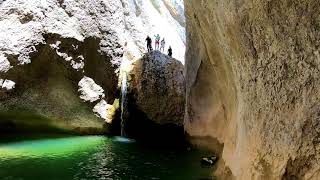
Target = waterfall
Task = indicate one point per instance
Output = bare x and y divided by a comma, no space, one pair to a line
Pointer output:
124,112
125,68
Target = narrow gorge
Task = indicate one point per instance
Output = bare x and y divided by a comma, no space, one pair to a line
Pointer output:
81,96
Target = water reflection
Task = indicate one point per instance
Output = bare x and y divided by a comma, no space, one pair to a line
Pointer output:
57,147
96,157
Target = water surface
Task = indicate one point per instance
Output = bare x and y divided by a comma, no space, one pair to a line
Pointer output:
95,157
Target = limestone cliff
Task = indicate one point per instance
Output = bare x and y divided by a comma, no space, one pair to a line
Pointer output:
59,59
252,71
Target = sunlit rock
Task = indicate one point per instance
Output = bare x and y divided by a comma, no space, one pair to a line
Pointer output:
4,64
151,17
105,110
76,63
7,84
89,90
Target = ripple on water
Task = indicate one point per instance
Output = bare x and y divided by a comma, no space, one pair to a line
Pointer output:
123,139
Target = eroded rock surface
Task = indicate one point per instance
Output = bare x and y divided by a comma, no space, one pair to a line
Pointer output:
58,62
252,71
156,92
49,94
158,88
59,59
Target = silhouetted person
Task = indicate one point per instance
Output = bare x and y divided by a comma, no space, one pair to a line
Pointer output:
170,51
163,44
157,42
149,44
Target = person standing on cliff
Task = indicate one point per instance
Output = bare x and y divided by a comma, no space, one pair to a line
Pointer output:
149,42
170,51
157,42
163,43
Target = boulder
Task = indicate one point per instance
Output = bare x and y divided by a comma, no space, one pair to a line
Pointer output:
157,90
209,161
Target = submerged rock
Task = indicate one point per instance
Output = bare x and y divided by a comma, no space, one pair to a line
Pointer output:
209,161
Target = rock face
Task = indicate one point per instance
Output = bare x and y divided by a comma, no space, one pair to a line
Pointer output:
50,95
157,90
252,72
59,59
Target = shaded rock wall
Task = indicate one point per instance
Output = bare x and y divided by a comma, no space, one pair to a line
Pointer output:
62,58
46,97
252,71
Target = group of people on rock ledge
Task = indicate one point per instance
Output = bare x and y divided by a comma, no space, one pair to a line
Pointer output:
157,44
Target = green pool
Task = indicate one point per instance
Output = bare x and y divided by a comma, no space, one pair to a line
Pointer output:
95,157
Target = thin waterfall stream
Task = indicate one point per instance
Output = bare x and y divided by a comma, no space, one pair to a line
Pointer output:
124,113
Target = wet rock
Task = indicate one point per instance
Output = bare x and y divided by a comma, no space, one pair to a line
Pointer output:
209,161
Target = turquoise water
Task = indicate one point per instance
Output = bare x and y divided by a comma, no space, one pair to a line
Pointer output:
95,157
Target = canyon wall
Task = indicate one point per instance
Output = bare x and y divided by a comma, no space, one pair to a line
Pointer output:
252,72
